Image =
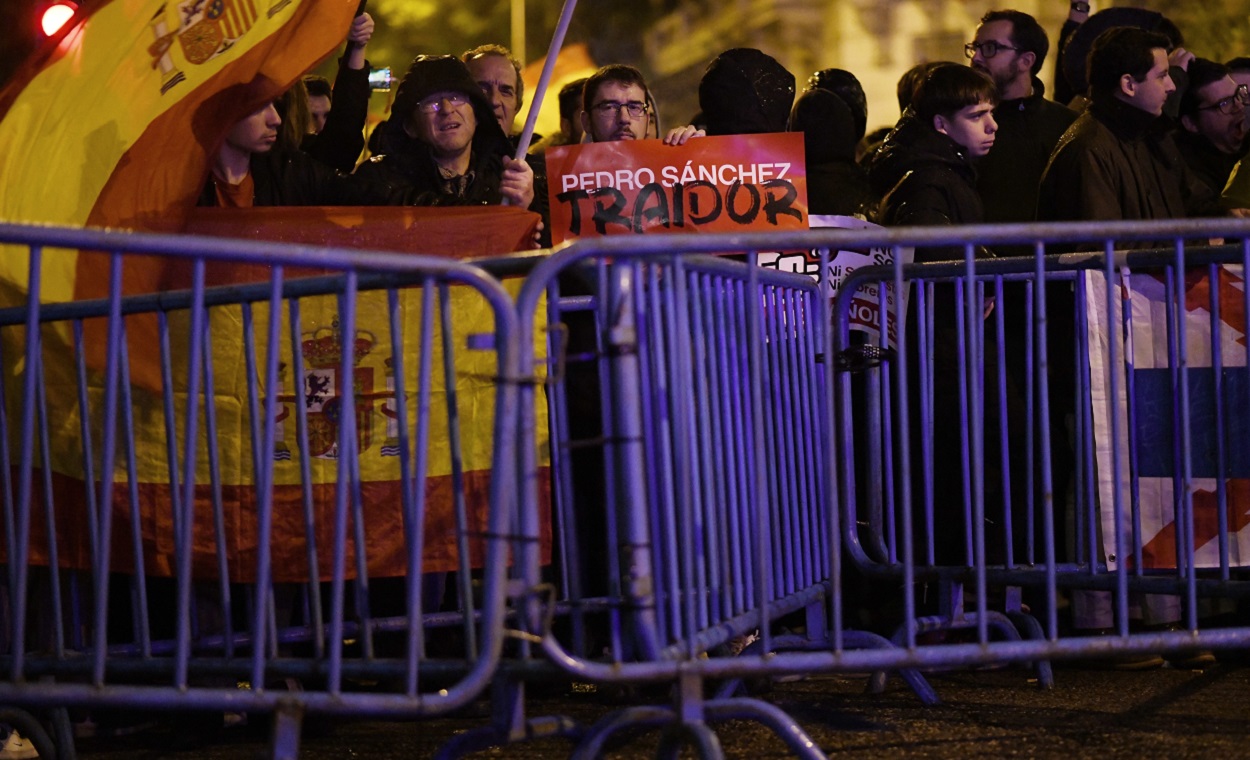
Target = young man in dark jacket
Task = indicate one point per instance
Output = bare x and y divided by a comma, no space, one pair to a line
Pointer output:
250,169
924,170
1117,160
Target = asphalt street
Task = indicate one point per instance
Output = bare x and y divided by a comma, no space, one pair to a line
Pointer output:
992,713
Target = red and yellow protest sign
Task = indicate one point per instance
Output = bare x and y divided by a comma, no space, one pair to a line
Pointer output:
711,184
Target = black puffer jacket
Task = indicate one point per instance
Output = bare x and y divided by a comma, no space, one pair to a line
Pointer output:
924,178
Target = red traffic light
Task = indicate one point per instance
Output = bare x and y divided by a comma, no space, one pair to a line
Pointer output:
56,16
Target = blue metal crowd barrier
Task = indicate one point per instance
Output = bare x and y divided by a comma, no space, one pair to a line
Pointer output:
687,475
334,591
1130,428
711,520
728,457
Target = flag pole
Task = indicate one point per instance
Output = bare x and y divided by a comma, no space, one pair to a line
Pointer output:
557,42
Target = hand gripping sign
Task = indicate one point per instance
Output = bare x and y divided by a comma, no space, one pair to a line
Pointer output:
710,184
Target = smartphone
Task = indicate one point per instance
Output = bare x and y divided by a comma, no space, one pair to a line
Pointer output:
380,79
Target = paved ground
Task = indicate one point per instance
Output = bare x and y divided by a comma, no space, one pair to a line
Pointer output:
1105,714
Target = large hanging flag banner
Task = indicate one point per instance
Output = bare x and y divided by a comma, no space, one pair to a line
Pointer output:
735,183
114,123
114,126
1148,406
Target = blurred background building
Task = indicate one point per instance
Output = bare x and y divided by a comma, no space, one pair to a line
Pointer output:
673,40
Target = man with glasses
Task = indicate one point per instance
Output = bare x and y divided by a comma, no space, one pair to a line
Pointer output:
445,144
1212,133
615,104
1010,47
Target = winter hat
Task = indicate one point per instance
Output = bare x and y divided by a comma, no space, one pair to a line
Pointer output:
746,91
846,86
429,74
827,124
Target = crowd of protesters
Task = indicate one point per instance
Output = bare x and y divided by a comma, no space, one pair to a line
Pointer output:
1141,128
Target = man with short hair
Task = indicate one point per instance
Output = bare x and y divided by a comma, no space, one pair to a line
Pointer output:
925,169
615,104
498,73
1010,47
571,131
1212,133
1114,162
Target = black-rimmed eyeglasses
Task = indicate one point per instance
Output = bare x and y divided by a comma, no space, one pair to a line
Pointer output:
635,108
988,49
1233,103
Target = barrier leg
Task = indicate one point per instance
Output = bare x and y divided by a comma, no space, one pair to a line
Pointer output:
509,724
63,734
771,716
288,720
1030,628
32,730
675,737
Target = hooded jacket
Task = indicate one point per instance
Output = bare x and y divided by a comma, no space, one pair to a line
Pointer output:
745,91
835,183
407,162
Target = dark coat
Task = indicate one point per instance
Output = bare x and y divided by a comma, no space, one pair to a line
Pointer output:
1115,162
924,178
835,183
928,179
1007,178
407,163
284,177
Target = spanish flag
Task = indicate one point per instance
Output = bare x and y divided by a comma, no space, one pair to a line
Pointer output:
114,125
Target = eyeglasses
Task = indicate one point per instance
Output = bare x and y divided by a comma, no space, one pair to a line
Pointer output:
434,103
611,108
988,49
1233,103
